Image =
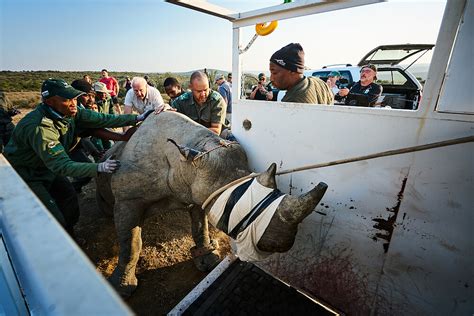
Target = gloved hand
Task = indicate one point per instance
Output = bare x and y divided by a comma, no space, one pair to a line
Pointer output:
109,166
144,115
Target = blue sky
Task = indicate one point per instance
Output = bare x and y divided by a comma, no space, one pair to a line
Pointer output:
154,36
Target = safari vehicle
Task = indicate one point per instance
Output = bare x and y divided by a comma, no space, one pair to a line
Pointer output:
401,89
393,234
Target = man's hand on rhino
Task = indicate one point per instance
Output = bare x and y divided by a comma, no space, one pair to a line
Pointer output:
144,115
164,108
129,133
109,166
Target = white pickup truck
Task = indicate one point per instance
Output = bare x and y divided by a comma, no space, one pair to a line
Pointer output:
401,89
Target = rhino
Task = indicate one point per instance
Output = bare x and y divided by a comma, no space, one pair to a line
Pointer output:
172,162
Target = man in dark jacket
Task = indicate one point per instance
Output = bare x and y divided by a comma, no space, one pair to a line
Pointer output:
365,92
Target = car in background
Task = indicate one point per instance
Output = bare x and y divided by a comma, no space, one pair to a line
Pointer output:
401,89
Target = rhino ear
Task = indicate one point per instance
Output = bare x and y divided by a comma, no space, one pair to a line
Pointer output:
267,179
187,153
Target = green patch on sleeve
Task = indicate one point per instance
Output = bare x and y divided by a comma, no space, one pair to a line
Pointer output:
55,148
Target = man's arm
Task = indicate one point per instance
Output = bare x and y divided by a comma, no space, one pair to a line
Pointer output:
116,87
375,94
45,143
252,94
216,128
87,119
109,135
218,112
223,93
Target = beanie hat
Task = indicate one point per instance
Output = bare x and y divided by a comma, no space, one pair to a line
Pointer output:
82,85
290,57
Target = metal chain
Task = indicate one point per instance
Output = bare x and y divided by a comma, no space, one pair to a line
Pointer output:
241,51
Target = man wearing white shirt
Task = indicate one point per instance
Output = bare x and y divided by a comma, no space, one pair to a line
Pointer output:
142,97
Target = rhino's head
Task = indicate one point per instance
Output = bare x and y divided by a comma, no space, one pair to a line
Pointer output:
261,219
211,165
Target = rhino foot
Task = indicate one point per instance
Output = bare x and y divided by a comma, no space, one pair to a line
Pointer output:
124,287
206,258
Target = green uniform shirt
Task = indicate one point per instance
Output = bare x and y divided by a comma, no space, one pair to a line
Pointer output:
212,111
105,106
39,144
309,90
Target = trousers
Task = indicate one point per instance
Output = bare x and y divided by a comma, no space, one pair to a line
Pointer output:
60,199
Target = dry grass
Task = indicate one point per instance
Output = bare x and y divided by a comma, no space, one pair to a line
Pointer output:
22,100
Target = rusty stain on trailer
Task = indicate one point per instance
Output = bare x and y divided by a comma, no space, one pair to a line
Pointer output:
387,225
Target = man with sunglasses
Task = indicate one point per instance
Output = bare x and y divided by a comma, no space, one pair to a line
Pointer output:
365,92
39,146
262,91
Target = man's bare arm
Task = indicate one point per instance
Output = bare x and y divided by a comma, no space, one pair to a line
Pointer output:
216,128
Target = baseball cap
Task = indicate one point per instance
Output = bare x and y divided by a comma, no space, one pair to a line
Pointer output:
261,76
334,74
219,77
58,87
100,87
371,66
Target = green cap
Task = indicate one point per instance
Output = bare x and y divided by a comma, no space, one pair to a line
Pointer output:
59,87
334,74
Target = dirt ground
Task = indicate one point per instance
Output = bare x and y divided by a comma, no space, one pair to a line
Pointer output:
165,271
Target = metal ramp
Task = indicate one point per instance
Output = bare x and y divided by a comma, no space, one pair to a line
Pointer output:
245,289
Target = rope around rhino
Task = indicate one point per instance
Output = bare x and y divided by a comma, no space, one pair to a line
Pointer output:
393,152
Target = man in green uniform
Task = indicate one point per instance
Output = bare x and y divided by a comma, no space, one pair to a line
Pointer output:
286,69
6,126
203,105
38,148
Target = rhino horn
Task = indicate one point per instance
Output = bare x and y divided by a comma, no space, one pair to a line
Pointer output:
294,210
280,233
267,178
187,153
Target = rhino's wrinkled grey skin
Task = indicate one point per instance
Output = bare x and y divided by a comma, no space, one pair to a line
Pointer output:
155,176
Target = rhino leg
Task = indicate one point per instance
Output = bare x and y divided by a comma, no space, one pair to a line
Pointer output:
128,221
204,254
280,234
104,195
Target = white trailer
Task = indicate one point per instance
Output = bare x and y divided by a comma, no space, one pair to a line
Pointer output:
393,235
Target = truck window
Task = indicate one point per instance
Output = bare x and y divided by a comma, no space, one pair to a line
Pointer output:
391,78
